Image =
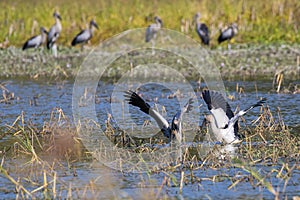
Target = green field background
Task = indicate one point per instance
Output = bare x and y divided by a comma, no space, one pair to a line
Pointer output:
259,21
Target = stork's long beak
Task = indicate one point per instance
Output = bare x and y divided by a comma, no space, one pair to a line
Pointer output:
96,25
43,30
59,17
161,23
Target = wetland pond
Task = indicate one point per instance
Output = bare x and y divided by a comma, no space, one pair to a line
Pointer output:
65,169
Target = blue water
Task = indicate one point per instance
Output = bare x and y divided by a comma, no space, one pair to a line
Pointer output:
51,95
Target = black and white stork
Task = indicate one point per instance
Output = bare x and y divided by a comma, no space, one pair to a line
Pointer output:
152,29
224,124
201,29
36,41
228,34
54,31
85,35
171,131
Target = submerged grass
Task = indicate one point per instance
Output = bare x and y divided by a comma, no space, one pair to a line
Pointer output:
259,21
270,152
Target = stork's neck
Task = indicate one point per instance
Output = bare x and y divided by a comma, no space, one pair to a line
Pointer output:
92,29
58,23
178,133
44,36
57,20
197,20
158,23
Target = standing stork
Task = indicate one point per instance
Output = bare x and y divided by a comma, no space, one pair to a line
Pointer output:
224,124
153,29
36,41
54,32
201,29
170,131
228,34
85,35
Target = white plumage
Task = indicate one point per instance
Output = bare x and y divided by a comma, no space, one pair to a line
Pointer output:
224,123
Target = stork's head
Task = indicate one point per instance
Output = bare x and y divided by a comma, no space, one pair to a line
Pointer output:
94,24
43,30
56,15
158,20
235,28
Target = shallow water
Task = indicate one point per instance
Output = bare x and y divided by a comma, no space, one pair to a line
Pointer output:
49,95
59,95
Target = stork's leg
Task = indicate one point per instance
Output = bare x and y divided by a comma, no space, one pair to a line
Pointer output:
153,46
41,49
229,46
54,50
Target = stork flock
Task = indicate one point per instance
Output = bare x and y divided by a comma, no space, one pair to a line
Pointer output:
202,30
54,32
85,35
223,122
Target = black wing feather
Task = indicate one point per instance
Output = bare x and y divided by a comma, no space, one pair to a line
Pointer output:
217,102
135,100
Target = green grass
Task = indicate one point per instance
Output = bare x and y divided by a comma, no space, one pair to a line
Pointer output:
259,21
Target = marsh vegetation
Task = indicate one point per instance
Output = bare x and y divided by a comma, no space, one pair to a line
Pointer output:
44,156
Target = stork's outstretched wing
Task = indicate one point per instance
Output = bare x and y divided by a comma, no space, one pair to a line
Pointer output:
243,112
135,100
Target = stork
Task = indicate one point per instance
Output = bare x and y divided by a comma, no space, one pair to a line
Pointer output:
171,131
85,35
201,29
54,32
228,34
153,29
224,124
36,41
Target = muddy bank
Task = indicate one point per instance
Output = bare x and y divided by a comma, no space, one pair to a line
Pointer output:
245,61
